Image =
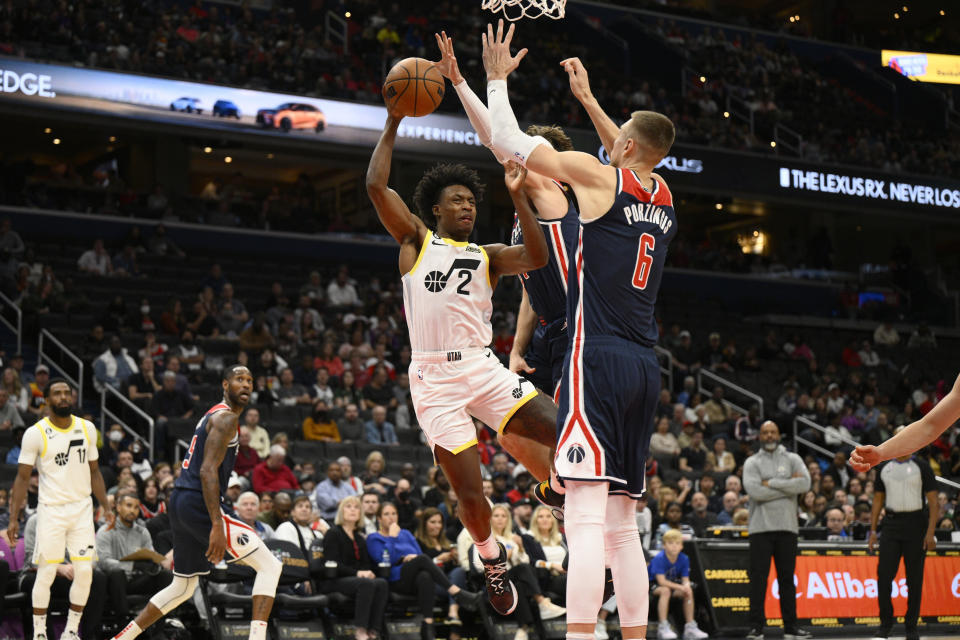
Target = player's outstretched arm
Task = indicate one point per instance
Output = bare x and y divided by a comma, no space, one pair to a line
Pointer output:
391,209
532,254
580,88
916,436
223,426
17,499
526,323
97,484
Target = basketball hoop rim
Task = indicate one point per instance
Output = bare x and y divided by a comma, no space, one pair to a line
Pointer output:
532,9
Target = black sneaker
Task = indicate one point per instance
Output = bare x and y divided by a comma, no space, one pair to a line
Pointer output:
755,634
913,634
500,590
469,599
797,634
882,633
550,498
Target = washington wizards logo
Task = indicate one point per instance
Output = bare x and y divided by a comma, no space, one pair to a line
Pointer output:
243,539
576,453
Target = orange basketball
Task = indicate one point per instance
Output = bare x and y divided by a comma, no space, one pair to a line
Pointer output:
414,87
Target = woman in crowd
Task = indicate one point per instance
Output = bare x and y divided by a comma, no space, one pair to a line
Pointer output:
806,512
436,546
16,389
330,360
345,544
548,559
520,572
151,502
374,478
411,572
347,392
673,519
719,459
664,443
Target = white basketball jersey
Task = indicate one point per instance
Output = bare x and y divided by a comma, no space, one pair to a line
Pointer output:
448,296
62,457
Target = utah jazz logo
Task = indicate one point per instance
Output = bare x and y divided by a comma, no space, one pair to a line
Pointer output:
576,453
435,281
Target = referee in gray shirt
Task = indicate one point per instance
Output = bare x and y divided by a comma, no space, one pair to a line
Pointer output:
908,532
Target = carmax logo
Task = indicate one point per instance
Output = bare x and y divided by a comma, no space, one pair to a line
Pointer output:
29,84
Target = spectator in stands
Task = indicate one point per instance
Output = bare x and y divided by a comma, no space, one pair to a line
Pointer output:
272,474
521,484
435,545
700,517
868,357
141,463
319,425
247,506
370,505
303,528
11,244
345,544
834,520
259,437
306,319
407,504
685,359
673,519
160,244
122,538
550,552
96,261
279,511
373,478
113,367
125,263
713,357
787,403
694,456
411,571
885,335
379,391
670,578
378,430
189,352
247,456
346,469
868,413
313,288
152,500
15,387
170,403
214,279
716,410
922,338
719,459
348,393
331,491
232,314
664,405
289,393
329,360
838,470
321,389
341,294
144,384
731,502
9,415
13,455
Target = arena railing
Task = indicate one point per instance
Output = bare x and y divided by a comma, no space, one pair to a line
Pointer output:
17,328
118,417
179,445
341,35
714,378
664,355
45,356
798,440
787,138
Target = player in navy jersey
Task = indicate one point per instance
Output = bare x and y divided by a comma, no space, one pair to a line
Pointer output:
611,377
204,528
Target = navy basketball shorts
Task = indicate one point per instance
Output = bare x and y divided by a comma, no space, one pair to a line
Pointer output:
607,399
546,353
191,526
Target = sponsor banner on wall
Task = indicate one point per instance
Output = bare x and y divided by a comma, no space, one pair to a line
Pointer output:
924,67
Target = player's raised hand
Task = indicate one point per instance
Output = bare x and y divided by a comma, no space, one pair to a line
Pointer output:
447,66
579,80
496,52
514,175
864,457
218,544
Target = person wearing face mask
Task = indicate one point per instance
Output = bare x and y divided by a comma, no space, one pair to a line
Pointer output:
190,354
141,465
773,478
319,425
115,442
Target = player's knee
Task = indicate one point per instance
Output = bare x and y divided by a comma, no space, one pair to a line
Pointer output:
46,574
82,579
176,593
268,570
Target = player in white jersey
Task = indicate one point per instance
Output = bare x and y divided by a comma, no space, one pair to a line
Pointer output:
448,282
63,447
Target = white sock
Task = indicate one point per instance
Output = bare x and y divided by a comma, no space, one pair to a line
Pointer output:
488,549
258,630
579,636
39,625
73,621
129,632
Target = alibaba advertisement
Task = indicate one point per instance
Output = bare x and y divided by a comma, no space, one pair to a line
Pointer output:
831,588
925,67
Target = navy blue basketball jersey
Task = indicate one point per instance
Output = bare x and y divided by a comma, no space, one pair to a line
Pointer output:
190,472
547,287
618,265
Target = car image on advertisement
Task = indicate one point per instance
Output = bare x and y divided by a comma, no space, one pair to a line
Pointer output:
190,105
224,108
293,115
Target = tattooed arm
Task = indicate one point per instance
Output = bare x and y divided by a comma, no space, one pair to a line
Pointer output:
223,426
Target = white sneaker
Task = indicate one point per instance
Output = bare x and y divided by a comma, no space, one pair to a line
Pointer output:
600,631
69,635
665,632
692,632
548,610
521,634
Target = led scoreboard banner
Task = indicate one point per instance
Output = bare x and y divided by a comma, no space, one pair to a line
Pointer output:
923,67
836,586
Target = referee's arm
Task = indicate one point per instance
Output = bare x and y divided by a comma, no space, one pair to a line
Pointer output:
879,499
929,488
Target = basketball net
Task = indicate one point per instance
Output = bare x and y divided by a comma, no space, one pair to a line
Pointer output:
516,9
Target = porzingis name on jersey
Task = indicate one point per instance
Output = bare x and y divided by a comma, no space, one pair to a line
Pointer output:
648,212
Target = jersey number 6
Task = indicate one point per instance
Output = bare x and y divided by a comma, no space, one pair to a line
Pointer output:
644,261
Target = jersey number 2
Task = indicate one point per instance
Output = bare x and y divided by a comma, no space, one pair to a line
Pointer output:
644,261
186,458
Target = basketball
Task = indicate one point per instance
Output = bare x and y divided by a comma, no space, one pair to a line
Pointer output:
413,87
